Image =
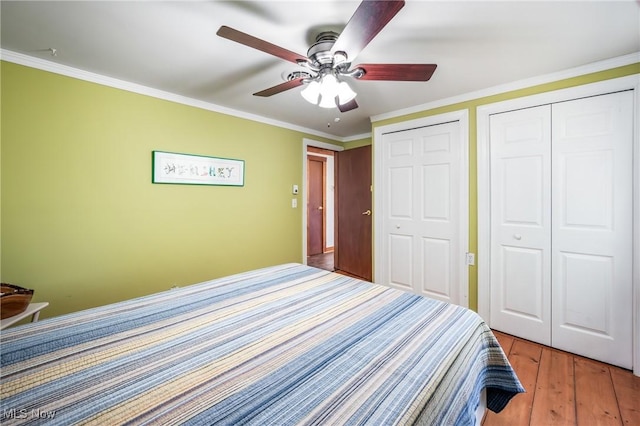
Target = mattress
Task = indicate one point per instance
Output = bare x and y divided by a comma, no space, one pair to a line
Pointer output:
283,345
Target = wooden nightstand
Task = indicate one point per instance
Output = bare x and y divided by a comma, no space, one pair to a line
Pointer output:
33,309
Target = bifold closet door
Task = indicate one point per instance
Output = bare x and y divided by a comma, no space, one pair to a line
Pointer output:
561,225
592,246
421,211
521,223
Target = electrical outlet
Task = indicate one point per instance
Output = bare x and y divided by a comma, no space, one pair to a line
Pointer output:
471,259
294,203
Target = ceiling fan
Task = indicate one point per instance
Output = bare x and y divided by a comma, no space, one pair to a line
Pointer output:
329,59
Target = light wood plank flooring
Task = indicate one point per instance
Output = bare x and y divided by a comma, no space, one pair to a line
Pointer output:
566,389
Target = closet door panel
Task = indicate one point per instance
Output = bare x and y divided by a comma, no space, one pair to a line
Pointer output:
585,310
520,223
401,261
436,274
401,213
523,271
421,211
437,155
592,227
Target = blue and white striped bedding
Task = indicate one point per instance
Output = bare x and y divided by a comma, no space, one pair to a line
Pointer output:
283,345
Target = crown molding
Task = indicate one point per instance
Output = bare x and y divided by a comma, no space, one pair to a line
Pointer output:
44,65
53,67
516,85
356,137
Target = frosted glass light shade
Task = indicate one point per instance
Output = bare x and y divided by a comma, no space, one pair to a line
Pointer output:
345,93
329,85
312,92
327,101
328,92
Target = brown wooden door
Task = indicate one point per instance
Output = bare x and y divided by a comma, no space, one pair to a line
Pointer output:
315,204
353,212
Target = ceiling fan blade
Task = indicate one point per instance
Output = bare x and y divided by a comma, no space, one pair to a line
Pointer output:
256,43
367,21
280,87
352,104
397,72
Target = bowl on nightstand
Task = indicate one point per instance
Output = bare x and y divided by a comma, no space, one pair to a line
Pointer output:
13,300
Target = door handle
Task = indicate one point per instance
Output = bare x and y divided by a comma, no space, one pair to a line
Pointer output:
367,213
517,236
320,208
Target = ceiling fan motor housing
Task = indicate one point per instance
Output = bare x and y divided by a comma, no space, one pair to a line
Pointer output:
320,52
323,61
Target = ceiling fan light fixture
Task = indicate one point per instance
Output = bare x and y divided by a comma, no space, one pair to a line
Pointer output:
328,92
327,101
311,93
329,85
345,93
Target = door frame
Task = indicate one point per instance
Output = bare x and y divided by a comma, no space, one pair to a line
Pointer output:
461,116
303,190
483,167
311,156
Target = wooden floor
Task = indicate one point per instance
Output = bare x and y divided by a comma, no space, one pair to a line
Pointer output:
322,261
566,389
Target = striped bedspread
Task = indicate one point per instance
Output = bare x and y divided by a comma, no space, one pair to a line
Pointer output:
283,345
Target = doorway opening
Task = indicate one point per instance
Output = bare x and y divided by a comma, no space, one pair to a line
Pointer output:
320,214
347,223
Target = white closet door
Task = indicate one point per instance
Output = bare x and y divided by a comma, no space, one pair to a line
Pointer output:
521,223
592,227
421,210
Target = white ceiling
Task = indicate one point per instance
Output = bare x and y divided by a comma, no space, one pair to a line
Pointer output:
172,46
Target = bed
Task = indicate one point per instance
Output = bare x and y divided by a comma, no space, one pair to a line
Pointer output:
288,344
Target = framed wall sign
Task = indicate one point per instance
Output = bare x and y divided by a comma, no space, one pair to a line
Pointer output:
188,169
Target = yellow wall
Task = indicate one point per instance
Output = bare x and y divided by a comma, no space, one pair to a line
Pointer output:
472,106
81,222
